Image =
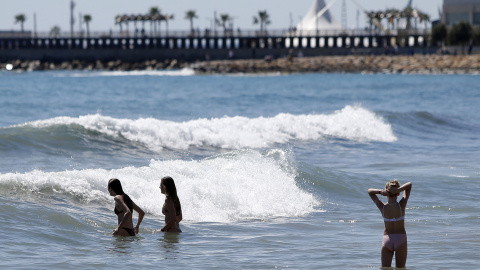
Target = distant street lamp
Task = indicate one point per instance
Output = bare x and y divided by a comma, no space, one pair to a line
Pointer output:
72,19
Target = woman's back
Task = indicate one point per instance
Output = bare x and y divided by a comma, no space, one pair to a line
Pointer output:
394,218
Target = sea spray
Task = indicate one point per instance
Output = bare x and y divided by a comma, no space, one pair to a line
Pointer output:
352,123
240,185
174,72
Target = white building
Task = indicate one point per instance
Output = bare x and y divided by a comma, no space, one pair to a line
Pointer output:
318,18
455,11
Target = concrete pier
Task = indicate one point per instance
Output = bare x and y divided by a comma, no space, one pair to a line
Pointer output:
201,48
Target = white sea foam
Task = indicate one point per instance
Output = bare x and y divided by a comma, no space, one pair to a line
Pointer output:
240,185
174,72
352,123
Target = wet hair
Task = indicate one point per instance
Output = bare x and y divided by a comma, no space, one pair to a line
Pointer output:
171,191
393,183
116,186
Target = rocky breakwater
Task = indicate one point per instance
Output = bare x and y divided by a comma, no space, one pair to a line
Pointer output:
37,65
416,64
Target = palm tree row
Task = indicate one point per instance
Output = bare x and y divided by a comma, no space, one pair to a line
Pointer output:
225,20
393,16
55,30
155,17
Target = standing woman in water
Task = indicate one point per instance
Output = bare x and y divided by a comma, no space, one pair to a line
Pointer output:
393,212
171,208
124,207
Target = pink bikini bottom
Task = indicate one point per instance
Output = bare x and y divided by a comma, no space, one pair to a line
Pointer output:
394,241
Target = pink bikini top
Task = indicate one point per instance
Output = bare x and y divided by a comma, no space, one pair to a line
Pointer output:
392,219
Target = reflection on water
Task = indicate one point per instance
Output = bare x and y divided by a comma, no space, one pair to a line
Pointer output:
123,244
169,242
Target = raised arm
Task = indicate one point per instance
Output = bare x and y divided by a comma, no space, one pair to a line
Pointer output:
373,195
141,214
407,188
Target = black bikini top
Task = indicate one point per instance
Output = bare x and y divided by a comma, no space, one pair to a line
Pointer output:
164,210
129,205
116,211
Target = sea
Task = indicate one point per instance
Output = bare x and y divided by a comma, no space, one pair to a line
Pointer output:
272,170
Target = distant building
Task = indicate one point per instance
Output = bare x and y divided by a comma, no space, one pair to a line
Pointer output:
455,11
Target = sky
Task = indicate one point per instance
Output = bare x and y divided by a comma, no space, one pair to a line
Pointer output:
283,13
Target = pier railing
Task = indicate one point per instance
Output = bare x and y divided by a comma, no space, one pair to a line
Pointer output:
284,39
211,33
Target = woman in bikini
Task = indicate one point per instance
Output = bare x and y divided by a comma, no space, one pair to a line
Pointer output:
171,208
124,207
393,212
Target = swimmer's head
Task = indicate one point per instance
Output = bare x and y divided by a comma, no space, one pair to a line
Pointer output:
115,185
169,184
393,183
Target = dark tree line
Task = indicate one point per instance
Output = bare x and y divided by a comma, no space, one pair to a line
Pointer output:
461,33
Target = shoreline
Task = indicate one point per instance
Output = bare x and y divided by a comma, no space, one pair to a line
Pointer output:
395,64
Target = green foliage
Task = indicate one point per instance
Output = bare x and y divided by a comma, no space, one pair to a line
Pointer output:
263,19
87,18
224,19
460,34
476,36
439,33
20,18
55,31
154,11
190,15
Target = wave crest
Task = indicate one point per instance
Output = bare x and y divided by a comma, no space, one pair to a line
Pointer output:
351,123
235,186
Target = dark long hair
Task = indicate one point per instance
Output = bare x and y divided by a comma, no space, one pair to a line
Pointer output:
171,191
116,186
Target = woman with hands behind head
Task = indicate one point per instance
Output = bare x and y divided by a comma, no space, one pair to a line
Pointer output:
393,212
124,207
171,208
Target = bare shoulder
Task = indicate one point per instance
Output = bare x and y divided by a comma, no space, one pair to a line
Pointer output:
118,199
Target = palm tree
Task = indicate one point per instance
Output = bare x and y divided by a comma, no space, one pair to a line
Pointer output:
55,31
20,18
425,18
224,19
408,14
118,20
154,13
190,15
263,19
391,15
87,18
166,18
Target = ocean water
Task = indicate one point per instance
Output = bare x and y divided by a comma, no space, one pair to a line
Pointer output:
272,170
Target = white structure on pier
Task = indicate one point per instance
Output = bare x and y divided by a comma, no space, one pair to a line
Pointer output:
319,18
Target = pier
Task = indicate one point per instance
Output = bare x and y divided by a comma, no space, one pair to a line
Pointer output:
191,47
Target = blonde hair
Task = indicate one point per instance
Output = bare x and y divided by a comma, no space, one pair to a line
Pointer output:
393,183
